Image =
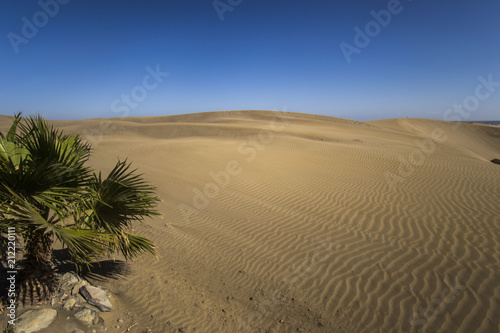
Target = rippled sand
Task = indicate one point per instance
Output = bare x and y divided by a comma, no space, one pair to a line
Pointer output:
287,222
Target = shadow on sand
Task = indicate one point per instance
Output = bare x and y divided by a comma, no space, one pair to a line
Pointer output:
99,271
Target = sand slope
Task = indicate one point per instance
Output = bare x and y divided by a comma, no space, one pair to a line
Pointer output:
325,224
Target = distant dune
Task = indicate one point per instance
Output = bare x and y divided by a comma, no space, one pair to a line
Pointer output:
287,222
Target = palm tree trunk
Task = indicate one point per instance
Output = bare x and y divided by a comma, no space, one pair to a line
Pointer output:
38,246
38,279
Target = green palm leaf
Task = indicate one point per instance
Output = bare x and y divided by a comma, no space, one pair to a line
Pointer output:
11,134
47,192
121,198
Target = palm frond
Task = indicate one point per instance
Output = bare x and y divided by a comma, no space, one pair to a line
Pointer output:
11,152
48,193
42,158
47,143
124,196
11,134
131,245
84,245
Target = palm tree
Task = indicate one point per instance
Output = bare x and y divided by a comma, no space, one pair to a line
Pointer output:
48,193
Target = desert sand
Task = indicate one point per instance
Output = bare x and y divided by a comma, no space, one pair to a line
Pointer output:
288,222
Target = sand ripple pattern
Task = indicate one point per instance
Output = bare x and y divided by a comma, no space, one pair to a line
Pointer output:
310,236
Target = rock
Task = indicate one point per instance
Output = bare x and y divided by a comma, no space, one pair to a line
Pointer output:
98,320
57,298
106,291
77,286
97,297
80,299
35,320
68,280
86,315
69,303
78,331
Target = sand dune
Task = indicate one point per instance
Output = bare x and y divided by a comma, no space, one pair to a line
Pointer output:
287,222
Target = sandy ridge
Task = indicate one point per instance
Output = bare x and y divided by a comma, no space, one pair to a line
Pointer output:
313,230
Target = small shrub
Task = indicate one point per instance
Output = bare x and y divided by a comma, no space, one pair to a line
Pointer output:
496,161
47,193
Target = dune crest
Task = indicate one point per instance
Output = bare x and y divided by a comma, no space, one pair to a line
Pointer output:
294,222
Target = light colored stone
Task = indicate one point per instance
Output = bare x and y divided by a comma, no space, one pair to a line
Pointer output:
80,299
35,320
86,315
68,280
69,303
97,297
77,286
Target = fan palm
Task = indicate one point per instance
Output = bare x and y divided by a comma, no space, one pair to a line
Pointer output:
48,193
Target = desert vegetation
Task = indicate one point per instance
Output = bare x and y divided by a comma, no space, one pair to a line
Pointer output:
49,194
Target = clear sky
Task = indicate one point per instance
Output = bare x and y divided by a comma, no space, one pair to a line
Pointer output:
363,60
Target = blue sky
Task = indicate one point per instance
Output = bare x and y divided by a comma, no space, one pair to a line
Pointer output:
91,59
